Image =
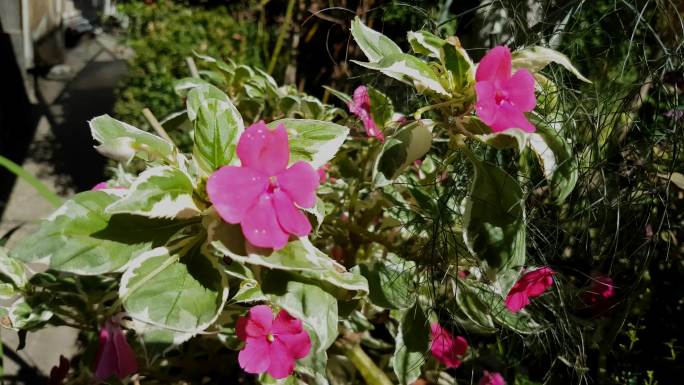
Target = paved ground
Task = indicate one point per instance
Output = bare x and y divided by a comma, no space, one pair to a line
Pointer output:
62,156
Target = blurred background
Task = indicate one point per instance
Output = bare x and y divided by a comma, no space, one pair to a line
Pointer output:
63,62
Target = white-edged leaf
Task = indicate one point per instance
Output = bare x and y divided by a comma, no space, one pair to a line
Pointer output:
493,221
183,293
159,192
6,291
554,155
373,44
80,237
313,141
298,256
121,141
12,269
536,58
410,70
23,316
407,145
425,43
412,343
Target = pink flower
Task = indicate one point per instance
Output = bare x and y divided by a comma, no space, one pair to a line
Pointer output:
492,379
271,345
361,107
531,284
262,193
323,173
114,356
502,99
599,294
100,186
447,349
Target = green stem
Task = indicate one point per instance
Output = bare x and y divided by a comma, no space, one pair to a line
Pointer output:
42,189
364,364
281,36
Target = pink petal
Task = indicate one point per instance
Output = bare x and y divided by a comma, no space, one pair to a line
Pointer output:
298,344
235,190
241,328
300,182
127,364
509,117
282,363
445,348
284,323
291,219
261,227
495,66
515,301
360,99
520,90
264,150
256,356
492,379
259,321
100,186
486,106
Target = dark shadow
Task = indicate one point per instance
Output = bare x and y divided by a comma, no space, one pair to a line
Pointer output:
69,147
17,120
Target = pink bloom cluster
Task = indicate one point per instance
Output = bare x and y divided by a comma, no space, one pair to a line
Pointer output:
361,107
503,99
271,345
494,378
531,284
114,358
445,348
264,195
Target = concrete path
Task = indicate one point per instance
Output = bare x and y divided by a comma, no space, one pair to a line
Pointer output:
62,156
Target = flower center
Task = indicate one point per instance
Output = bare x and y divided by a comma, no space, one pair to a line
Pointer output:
270,337
500,97
272,184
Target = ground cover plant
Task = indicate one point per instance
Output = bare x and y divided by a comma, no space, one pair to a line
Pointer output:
488,230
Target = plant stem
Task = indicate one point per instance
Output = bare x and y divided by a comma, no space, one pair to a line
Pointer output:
155,124
364,364
281,36
192,66
42,189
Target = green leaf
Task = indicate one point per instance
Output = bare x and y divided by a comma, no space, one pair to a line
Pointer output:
12,269
407,145
313,141
536,58
298,256
494,228
183,292
6,291
24,316
390,283
315,307
425,43
340,95
460,70
412,344
80,237
218,126
122,142
410,70
158,340
381,108
554,155
183,86
159,192
318,212
373,44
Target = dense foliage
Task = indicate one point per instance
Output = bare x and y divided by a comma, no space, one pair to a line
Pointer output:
517,217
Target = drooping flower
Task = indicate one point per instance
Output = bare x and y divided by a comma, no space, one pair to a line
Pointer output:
360,105
503,99
261,194
114,355
323,173
445,348
59,372
492,379
271,345
531,284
